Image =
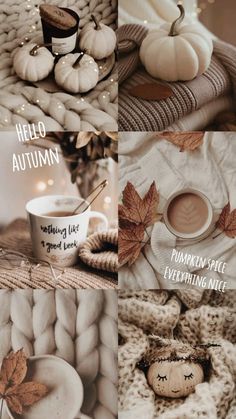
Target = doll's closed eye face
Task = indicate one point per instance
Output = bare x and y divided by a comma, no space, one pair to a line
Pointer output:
161,378
174,379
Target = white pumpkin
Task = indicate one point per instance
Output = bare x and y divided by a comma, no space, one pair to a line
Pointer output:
176,52
76,73
174,378
97,39
33,62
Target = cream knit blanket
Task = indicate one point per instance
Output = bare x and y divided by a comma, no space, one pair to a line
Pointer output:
20,102
189,317
60,323
210,169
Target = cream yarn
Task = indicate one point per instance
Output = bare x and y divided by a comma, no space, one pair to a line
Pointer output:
78,325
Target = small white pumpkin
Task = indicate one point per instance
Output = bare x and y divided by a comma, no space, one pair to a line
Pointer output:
176,52
33,62
174,378
76,73
97,39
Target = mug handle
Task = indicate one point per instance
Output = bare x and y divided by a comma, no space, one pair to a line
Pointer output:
97,214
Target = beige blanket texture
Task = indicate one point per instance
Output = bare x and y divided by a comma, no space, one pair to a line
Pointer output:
21,102
16,237
193,317
60,323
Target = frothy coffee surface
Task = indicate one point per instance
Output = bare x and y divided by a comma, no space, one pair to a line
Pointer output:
59,214
187,213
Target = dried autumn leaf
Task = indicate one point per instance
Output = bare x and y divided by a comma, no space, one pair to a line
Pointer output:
139,210
14,404
27,393
113,135
14,368
151,91
186,141
12,389
130,243
227,221
83,139
2,389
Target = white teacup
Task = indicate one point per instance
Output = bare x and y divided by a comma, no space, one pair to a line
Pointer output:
56,239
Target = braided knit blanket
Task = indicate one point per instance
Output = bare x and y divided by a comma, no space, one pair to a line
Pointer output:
20,102
16,237
193,317
59,323
136,114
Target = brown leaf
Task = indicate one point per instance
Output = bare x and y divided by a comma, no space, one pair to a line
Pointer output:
130,243
14,404
2,389
151,91
14,368
186,141
83,139
113,135
27,393
227,221
139,210
12,390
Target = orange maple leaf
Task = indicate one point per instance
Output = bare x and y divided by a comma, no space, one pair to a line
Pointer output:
227,221
12,389
139,210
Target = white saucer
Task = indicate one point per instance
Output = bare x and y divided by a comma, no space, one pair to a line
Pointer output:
65,395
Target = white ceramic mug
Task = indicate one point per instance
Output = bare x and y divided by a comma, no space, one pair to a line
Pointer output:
205,230
56,239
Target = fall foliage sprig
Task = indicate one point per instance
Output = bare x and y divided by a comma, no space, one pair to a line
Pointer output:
135,215
16,393
227,221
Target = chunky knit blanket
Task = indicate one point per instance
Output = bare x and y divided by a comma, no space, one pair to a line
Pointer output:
136,114
192,317
59,323
20,102
16,237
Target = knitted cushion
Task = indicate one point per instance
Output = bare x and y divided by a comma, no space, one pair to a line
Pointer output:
60,323
162,313
100,251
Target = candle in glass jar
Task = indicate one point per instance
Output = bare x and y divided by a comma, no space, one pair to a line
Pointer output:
60,28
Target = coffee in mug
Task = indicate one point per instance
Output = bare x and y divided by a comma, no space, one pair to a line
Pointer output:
56,232
188,214
59,214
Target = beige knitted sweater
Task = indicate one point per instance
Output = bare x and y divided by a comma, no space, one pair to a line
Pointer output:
190,316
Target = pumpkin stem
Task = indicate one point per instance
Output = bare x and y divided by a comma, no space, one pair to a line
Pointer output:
97,24
75,65
177,22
